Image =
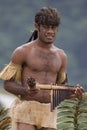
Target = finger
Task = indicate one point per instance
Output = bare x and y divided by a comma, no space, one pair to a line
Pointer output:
78,84
78,91
82,88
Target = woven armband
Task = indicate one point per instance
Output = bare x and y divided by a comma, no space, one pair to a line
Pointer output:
65,80
62,79
11,71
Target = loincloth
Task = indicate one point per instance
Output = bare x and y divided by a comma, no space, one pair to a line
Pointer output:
34,113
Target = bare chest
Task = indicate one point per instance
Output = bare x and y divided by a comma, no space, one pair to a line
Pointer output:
43,61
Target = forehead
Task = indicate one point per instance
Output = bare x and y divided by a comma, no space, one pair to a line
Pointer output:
49,22
48,26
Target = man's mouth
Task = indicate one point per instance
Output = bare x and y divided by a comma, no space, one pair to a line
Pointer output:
49,36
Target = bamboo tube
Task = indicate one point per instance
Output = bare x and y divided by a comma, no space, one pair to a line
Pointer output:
55,87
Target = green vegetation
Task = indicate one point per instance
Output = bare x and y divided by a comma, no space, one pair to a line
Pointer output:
72,114
5,121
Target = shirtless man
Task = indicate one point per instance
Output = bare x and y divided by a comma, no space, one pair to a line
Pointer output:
44,62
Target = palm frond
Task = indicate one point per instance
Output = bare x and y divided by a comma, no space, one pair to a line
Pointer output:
5,120
72,114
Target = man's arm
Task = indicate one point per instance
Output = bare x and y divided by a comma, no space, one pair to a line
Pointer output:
61,75
62,78
14,88
13,71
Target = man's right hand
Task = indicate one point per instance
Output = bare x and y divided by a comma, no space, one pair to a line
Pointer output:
31,83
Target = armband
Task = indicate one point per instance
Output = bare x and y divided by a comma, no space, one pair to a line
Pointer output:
62,79
65,80
11,71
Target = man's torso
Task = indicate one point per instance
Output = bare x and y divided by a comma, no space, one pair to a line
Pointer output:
43,65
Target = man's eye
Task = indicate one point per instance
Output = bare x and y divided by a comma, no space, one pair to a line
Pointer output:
53,27
45,26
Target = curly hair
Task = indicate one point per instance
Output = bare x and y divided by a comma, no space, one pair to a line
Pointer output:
46,16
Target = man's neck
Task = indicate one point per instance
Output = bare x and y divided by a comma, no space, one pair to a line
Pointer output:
44,45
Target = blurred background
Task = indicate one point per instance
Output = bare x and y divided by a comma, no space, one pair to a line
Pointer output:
16,25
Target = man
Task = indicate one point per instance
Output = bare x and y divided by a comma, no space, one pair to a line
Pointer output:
45,63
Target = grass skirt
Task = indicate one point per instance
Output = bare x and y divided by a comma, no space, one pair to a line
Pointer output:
34,113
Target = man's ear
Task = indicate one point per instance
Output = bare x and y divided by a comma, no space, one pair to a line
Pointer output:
36,26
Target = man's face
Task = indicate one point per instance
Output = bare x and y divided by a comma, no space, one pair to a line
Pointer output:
47,33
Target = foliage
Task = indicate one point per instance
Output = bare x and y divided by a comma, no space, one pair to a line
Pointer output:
72,114
5,121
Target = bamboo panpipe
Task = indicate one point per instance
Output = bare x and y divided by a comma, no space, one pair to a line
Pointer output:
55,92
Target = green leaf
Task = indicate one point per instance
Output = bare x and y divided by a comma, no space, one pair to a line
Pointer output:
67,103
82,126
64,111
83,114
82,120
69,113
65,126
65,119
83,109
5,121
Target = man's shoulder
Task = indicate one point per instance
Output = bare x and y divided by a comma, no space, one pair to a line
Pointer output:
61,53
20,53
59,50
23,48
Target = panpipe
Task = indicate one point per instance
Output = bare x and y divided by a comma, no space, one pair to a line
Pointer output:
55,92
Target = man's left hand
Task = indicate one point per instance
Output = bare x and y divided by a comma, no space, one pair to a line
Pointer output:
79,90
